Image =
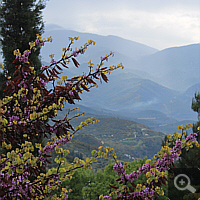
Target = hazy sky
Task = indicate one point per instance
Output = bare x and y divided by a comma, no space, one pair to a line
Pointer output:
157,23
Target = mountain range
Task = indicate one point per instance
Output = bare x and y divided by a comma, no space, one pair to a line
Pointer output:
177,68
155,88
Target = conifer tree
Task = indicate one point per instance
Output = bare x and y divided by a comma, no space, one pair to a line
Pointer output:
189,158
196,108
20,21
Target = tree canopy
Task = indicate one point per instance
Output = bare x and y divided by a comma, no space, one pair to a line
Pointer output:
20,21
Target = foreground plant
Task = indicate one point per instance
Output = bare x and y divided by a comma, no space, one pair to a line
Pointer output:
24,121
155,170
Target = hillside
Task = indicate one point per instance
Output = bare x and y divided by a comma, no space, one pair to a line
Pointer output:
144,86
141,92
131,49
131,140
176,67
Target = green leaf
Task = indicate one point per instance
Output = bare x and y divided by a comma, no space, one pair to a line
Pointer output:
94,152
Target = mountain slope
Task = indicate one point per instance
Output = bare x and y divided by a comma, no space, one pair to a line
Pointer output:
133,93
109,43
130,140
177,68
124,92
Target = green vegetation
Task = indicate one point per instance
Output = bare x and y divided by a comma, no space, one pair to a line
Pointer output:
130,140
29,106
20,21
89,185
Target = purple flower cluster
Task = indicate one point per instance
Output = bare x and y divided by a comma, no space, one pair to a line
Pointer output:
17,183
75,53
147,194
119,168
105,58
24,58
22,84
66,197
49,148
13,118
98,71
39,42
42,81
43,67
53,61
71,93
124,177
110,197
162,165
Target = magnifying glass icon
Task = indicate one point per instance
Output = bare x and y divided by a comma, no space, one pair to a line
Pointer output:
181,182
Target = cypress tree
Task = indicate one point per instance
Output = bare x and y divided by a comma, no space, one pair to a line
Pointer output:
20,21
191,158
196,108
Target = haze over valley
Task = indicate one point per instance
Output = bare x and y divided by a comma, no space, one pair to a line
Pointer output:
155,88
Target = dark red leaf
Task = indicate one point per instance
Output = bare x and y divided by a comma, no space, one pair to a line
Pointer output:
163,181
15,60
104,77
91,81
47,156
54,120
30,62
114,187
15,78
77,88
74,78
42,76
75,62
133,184
9,92
56,76
56,71
84,87
48,161
94,75
49,91
165,178
30,79
48,72
64,65
6,89
59,67
53,74
15,72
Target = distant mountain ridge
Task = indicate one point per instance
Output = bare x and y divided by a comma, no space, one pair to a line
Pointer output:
128,48
153,81
156,87
177,68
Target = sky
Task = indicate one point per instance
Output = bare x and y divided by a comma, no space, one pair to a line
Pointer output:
156,23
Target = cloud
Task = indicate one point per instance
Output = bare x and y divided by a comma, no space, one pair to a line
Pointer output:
159,24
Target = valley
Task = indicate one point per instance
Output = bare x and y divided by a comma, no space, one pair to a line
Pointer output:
141,103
